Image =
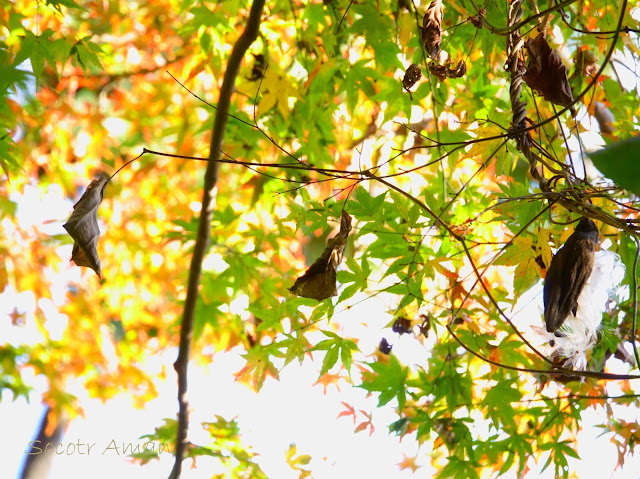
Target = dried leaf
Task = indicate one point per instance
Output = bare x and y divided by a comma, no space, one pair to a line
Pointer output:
83,225
461,69
425,325
438,70
546,73
319,281
402,326
385,347
431,28
441,72
462,229
411,76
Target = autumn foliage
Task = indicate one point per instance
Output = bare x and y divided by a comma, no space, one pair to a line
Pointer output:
371,154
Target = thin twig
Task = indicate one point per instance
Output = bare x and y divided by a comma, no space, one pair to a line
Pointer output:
558,371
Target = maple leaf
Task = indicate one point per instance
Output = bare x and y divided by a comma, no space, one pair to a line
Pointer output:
431,28
546,73
350,411
296,462
83,226
319,281
366,424
277,89
408,463
257,369
327,379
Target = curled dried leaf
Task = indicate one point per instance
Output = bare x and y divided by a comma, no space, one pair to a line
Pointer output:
441,72
83,226
411,76
546,73
460,70
320,280
432,28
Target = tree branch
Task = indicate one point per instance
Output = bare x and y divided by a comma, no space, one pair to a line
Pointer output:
245,40
554,372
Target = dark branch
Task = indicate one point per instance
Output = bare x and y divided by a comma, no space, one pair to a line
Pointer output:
202,240
557,371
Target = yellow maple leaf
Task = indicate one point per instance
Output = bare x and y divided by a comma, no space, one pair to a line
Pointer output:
276,91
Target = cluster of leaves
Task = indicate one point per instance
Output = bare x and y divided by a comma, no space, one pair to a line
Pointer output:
225,446
423,224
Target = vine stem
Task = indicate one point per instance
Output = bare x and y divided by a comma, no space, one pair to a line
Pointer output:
243,43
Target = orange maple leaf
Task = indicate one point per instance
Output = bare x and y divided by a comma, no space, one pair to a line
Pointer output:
327,379
350,411
408,463
366,424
